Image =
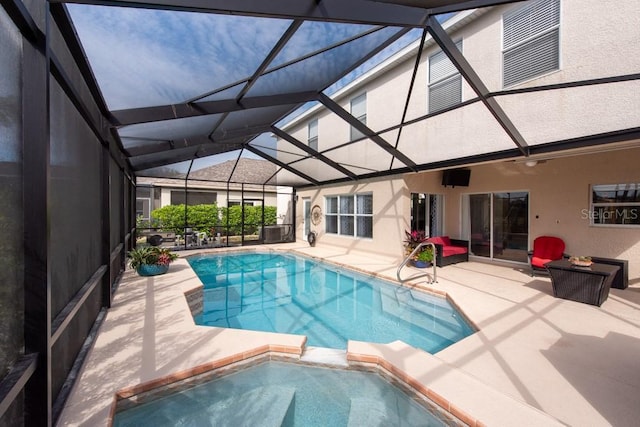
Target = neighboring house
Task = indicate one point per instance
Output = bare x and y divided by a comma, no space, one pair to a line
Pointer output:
582,190
213,184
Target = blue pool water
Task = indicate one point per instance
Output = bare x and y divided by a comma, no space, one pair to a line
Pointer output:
283,394
290,294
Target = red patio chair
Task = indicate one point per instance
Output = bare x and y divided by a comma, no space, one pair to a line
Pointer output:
545,249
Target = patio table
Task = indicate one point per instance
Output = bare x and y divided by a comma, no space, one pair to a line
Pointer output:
589,285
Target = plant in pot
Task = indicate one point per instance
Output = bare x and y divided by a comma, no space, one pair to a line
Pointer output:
151,260
413,239
424,258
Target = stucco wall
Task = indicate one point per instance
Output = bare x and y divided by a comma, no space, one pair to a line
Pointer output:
390,216
596,41
559,198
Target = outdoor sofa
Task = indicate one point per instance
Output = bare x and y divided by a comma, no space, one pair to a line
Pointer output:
450,251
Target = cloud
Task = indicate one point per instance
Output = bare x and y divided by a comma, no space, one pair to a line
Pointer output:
151,57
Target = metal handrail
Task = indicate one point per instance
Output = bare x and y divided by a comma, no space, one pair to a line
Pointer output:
434,278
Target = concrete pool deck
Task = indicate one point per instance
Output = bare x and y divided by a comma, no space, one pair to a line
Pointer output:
536,360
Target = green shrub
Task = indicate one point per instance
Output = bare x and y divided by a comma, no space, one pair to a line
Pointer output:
205,218
199,217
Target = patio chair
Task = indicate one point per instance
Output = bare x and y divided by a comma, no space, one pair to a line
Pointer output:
545,249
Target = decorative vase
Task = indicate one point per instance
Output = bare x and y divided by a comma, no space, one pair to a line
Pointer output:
152,269
421,264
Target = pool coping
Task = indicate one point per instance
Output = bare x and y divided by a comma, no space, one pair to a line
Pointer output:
152,390
380,356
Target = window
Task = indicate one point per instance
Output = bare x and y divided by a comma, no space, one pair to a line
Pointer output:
313,134
445,82
238,203
193,198
331,215
350,215
531,41
615,204
143,208
364,215
359,111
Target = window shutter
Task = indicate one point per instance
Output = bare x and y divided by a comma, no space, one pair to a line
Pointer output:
440,66
530,21
445,94
313,135
531,41
532,59
359,111
445,82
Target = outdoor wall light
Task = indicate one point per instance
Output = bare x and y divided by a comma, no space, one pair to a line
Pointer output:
531,163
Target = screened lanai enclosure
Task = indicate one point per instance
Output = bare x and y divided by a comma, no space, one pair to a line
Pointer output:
112,110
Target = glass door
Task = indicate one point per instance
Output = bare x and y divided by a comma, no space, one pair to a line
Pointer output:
427,213
497,225
480,224
511,226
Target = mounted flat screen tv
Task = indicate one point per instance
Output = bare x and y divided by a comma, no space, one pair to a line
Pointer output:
456,177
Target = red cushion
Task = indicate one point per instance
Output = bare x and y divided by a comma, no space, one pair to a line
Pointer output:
548,247
453,250
440,240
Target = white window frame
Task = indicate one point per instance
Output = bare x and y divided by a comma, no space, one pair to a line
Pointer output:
312,138
623,211
532,38
439,81
355,102
355,215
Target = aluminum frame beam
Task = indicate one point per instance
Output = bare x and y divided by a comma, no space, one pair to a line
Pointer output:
437,7
339,11
179,111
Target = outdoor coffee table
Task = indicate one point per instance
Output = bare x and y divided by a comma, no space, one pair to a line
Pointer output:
589,285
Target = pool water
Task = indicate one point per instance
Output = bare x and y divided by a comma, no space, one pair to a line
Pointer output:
283,293
284,394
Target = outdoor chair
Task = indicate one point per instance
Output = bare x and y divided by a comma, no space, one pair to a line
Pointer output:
545,249
450,251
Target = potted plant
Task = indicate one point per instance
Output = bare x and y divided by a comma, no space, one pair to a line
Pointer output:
151,260
424,258
413,239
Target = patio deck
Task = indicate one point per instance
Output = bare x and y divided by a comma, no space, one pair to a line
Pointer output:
536,360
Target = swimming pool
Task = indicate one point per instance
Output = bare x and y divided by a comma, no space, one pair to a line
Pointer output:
278,292
285,394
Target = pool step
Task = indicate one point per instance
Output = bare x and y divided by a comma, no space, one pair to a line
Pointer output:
325,356
371,413
263,406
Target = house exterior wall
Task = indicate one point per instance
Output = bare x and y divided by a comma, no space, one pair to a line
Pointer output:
559,200
390,215
270,199
596,41
591,35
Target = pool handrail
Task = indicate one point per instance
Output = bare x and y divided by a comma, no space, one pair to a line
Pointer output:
434,278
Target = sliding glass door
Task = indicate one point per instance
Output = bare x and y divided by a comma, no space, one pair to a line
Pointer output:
427,213
497,224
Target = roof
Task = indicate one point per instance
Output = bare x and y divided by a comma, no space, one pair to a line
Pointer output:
242,171
186,84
